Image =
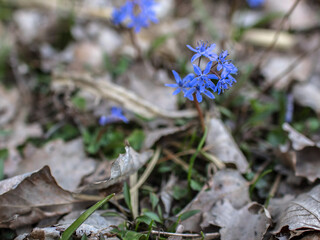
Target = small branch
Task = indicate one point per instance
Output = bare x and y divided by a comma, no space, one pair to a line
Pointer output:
187,235
267,51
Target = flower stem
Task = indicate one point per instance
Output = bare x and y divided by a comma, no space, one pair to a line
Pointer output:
201,118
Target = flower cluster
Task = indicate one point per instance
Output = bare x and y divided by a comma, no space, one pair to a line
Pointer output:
116,116
255,3
136,13
201,82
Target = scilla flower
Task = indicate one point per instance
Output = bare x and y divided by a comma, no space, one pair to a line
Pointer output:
136,14
115,116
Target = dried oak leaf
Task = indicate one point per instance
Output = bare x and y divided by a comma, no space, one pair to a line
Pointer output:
28,198
226,184
305,155
125,165
302,214
67,161
249,222
224,146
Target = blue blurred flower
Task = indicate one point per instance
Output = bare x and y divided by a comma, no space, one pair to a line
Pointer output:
139,14
116,116
203,49
203,79
181,84
255,3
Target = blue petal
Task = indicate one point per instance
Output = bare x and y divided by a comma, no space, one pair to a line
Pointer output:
209,94
197,70
208,68
171,85
176,76
199,96
189,93
176,91
191,48
195,57
212,76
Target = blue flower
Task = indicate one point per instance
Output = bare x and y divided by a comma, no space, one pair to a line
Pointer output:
181,84
203,49
198,92
138,12
203,80
255,3
116,116
224,82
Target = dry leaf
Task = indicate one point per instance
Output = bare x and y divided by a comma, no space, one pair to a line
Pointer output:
299,141
121,95
67,160
301,214
8,105
125,165
151,137
249,222
305,158
224,146
226,184
28,198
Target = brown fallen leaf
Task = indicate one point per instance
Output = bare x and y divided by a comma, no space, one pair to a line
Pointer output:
125,165
67,161
28,198
305,155
225,185
302,214
223,146
249,222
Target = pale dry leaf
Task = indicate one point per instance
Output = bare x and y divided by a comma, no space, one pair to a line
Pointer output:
223,146
67,160
276,206
249,222
151,137
121,95
125,165
308,94
166,194
302,213
299,141
8,105
225,184
28,198
305,154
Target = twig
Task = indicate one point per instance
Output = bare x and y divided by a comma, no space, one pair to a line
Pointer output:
267,51
288,69
148,171
176,159
187,235
273,189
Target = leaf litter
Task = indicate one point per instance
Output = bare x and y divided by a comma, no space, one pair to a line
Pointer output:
234,174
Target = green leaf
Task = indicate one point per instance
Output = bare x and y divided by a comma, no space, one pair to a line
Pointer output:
188,214
154,200
130,235
179,192
136,139
196,186
127,197
153,216
79,102
146,220
74,226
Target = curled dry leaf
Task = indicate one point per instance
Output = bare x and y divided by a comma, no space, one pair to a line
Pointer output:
121,95
125,165
225,185
302,214
224,146
305,155
67,161
249,222
28,198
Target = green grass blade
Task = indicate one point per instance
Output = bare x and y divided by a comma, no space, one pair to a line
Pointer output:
193,158
73,227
